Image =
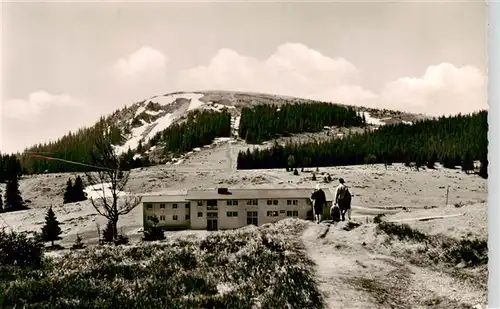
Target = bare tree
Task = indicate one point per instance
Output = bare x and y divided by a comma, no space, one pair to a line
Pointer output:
112,180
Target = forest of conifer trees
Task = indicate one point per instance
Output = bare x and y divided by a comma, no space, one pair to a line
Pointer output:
452,141
72,146
201,128
264,122
10,167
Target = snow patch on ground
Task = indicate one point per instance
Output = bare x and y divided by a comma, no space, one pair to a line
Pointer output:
140,110
96,191
195,101
235,124
161,124
371,120
153,113
133,141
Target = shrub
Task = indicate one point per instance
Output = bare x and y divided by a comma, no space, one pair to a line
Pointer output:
402,231
154,233
78,243
18,249
378,218
472,252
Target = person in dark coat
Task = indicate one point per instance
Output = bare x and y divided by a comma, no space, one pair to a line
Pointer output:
319,201
343,199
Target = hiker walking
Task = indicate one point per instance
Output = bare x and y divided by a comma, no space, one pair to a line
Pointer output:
343,199
319,201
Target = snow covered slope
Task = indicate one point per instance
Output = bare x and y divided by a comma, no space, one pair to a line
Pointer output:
144,119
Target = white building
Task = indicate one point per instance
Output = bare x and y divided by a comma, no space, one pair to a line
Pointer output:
221,209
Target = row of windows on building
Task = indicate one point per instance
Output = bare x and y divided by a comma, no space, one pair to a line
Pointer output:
250,214
230,203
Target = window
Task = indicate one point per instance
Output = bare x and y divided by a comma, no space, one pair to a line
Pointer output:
229,203
252,218
295,202
252,202
149,206
212,203
200,214
269,202
162,218
200,203
232,213
187,217
232,202
212,214
292,213
253,221
162,205
282,211
174,205
174,217
188,205
289,202
272,213
275,202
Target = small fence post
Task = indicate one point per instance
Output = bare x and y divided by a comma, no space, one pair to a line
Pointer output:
447,192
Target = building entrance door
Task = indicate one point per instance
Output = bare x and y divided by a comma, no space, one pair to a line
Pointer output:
212,224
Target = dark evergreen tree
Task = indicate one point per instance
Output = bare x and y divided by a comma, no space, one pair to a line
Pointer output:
68,193
467,163
13,199
1,202
79,190
10,167
51,229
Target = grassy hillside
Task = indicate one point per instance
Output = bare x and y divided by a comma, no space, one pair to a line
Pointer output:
263,266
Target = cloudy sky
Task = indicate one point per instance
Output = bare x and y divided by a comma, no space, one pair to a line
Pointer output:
64,65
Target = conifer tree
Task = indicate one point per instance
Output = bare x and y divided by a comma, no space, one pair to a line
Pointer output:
68,194
79,190
51,229
13,199
1,202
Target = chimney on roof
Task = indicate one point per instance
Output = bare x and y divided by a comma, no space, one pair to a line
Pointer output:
222,191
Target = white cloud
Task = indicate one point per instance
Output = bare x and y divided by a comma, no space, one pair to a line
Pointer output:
145,60
36,103
137,76
293,69
443,89
296,70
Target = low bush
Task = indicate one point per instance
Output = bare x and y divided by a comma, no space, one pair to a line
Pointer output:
265,266
402,231
471,252
20,250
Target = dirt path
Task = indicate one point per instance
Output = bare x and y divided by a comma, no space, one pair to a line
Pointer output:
351,274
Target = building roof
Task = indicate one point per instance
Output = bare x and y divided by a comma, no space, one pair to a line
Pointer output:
163,198
281,193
